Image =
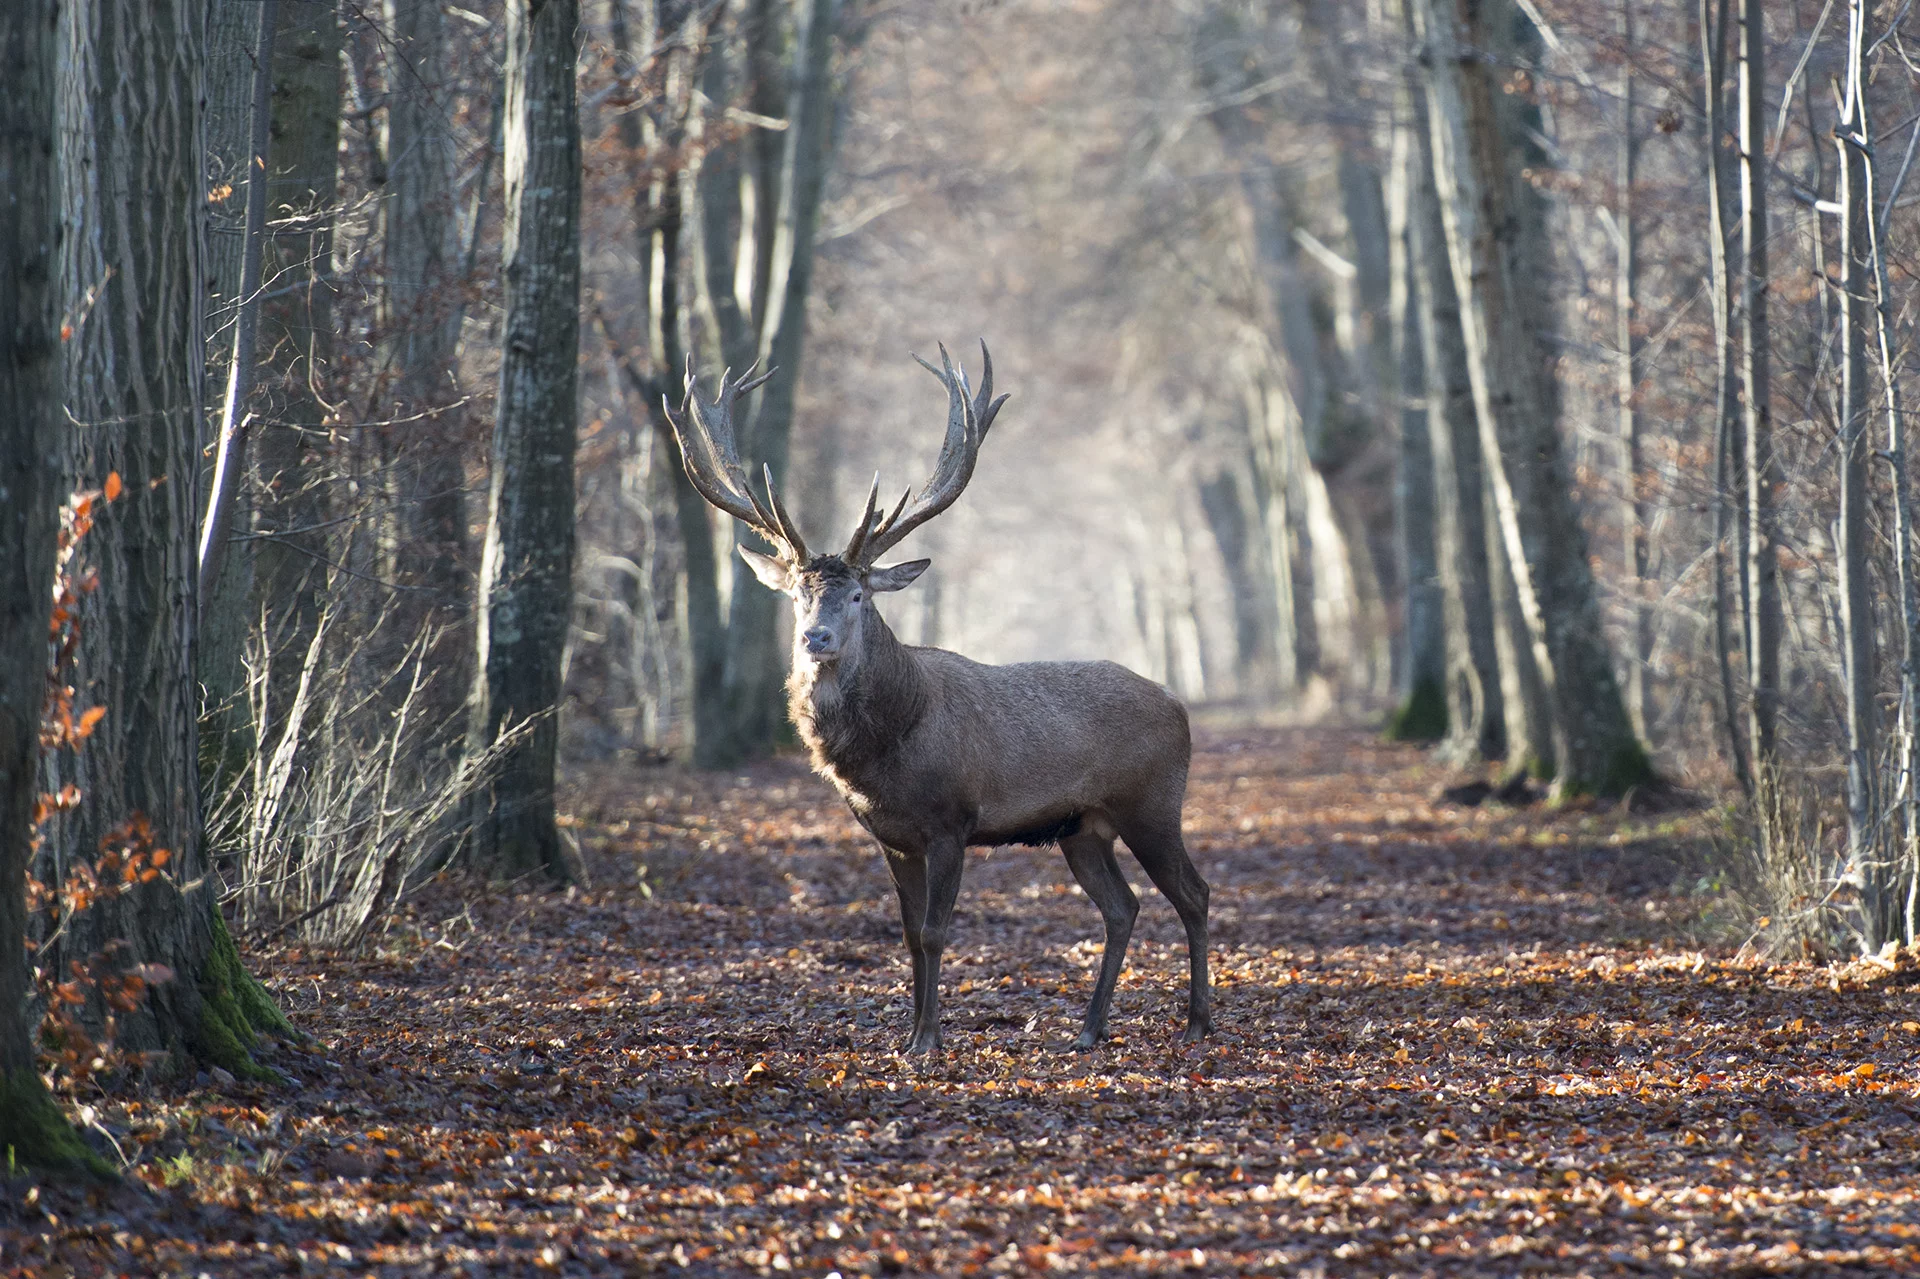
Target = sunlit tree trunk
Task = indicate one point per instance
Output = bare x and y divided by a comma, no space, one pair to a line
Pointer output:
133,207
1495,220
1864,837
32,1129
1713,24
527,565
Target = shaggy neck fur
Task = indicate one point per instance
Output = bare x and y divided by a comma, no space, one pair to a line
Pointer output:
854,712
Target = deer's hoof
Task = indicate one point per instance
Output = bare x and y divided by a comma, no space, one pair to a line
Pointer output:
921,1045
1196,1031
1087,1042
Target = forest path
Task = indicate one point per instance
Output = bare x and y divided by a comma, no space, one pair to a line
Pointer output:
1473,1042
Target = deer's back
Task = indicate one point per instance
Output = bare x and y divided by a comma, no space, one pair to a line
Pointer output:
1029,746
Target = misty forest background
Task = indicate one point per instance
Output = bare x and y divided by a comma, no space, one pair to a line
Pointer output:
1530,376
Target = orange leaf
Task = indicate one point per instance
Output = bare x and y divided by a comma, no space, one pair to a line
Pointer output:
90,720
113,485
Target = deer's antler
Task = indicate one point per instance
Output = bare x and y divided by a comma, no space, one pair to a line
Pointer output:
705,431
968,420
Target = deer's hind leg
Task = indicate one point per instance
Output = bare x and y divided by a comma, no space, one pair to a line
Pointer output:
1157,844
1090,857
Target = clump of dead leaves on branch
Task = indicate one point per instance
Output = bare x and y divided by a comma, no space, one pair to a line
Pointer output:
1450,1041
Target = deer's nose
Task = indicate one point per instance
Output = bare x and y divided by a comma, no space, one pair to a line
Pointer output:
818,639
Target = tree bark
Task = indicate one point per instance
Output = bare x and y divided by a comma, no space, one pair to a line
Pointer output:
1423,696
1495,220
133,209
238,110
1478,712
1763,469
420,316
1892,889
526,568
1633,507
1713,23
1864,837
32,1129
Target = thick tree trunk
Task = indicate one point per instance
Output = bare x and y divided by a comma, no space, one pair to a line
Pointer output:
32,1129
526,568
1496,230
756,662
421,318
132,203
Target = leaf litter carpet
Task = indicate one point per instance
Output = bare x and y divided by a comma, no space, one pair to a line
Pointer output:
1455,1042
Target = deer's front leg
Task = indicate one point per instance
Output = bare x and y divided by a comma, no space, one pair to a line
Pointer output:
910,882
943,865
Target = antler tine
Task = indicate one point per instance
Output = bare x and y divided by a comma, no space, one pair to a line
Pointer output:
967,420
859,539
704,430
788,529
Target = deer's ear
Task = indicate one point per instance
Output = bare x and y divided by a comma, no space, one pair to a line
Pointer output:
896,577
776,574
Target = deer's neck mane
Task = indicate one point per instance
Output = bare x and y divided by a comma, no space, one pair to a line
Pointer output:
855,712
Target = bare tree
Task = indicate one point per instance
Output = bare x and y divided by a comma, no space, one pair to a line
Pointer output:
527,565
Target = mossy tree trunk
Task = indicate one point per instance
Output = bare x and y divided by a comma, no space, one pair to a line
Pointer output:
32,1129
132,204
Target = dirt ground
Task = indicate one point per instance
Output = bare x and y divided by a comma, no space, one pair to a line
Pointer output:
1449,1041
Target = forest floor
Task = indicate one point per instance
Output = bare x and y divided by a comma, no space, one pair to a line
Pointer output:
1450,1041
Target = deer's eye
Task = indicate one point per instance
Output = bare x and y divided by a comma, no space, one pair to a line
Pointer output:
854,598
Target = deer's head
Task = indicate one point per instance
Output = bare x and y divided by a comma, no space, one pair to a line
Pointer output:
832,594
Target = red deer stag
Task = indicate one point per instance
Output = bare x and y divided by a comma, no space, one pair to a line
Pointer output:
934,752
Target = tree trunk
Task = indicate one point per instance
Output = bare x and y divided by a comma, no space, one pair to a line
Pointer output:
1763,469
1231,521
132,203
1480,719
1892,890
420,317
526,569
1713,21
32,1129
1423,708
1864,836
1633,509
288,444
756,666
239,82
1496,227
